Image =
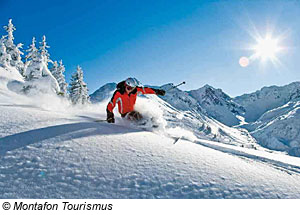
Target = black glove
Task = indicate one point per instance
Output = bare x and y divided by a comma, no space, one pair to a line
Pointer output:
160,92
110,117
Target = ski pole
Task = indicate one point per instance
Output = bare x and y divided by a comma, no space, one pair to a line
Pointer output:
176,86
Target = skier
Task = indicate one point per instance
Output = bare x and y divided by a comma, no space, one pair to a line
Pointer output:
125,97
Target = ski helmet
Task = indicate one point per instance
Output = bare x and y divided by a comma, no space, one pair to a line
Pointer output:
132,82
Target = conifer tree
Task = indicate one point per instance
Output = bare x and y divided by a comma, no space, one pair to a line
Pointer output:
4,57
58,73
33,60
78,88
33,53
44,52
12,49
37,75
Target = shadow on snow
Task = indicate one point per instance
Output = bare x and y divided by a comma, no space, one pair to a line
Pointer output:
65,131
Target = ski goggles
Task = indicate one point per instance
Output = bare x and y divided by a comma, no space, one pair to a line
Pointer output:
129,87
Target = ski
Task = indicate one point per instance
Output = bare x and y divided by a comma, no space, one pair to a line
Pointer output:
176,139
100,120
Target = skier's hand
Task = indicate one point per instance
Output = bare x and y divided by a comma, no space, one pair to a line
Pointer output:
110,117
160,92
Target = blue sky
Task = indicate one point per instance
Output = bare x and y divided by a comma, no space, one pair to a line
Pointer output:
160,42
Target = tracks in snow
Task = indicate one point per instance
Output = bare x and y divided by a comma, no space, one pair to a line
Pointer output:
279,165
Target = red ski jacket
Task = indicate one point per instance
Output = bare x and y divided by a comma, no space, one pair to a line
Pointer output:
126,101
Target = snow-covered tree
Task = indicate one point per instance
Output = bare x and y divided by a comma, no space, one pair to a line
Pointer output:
33,53
33,59
10,28
44,52
54,69
58,73
12,49
78,88
37,75
4,57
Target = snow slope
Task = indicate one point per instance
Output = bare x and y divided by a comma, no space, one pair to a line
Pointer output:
276,114
279,128
47,152
55,155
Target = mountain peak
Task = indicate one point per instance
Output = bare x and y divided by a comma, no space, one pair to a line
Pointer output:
103,92
218,104
210,95
208,86
268,98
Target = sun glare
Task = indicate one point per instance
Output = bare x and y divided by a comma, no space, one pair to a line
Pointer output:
266,48
244,61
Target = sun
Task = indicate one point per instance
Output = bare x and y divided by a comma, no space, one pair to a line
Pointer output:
266,48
